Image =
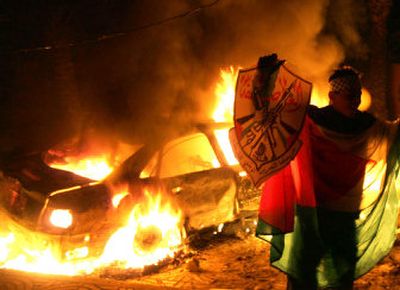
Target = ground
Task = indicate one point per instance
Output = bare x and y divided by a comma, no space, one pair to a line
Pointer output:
224,263
243,264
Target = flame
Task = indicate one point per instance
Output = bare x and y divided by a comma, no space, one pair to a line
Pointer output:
120,191
116,200
222,136
96,161
24,250
225,94
365,100
319,96
152,233
95,167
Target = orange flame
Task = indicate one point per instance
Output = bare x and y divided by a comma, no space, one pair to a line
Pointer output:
95,162
222,136
225,94
152,233
96,167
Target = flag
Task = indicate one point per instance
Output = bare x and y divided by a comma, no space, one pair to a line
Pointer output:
340,219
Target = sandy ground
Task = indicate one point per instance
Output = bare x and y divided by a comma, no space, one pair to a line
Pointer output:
223,263
243,264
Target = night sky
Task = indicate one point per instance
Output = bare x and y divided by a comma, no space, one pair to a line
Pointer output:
132,70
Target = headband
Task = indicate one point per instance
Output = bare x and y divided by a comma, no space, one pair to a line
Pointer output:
345,84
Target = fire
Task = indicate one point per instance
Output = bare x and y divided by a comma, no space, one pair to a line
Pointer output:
118,197
153,232
222,136
365,100
120,191
319,97
93,167
96,161
225,94
25,250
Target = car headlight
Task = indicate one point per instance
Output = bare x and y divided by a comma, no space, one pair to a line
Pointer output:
61,218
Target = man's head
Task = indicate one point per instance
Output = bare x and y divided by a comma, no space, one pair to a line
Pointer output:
345,91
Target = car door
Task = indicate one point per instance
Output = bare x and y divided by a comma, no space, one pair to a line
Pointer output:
190,170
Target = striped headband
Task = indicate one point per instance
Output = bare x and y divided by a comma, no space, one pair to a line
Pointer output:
345,84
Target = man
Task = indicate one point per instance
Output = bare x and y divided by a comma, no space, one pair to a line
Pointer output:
342,185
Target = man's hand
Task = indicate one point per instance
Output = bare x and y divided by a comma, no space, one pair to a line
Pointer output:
269,63
262,86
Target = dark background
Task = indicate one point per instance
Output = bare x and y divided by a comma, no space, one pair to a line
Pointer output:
132,70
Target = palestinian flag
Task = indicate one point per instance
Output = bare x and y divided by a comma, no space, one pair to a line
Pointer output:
331,214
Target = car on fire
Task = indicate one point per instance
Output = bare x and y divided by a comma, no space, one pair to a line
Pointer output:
191,169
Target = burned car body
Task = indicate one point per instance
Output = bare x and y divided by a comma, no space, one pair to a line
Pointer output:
190,169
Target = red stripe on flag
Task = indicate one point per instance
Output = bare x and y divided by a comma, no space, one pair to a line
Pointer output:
336,171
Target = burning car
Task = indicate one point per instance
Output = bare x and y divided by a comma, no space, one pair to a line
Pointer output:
192,173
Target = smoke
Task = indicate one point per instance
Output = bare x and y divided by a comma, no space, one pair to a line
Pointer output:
180,62
349,20
151,81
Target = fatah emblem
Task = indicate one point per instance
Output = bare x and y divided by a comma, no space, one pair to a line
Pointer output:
270,107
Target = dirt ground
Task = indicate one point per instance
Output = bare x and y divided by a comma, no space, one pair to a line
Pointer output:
223,263
243,264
